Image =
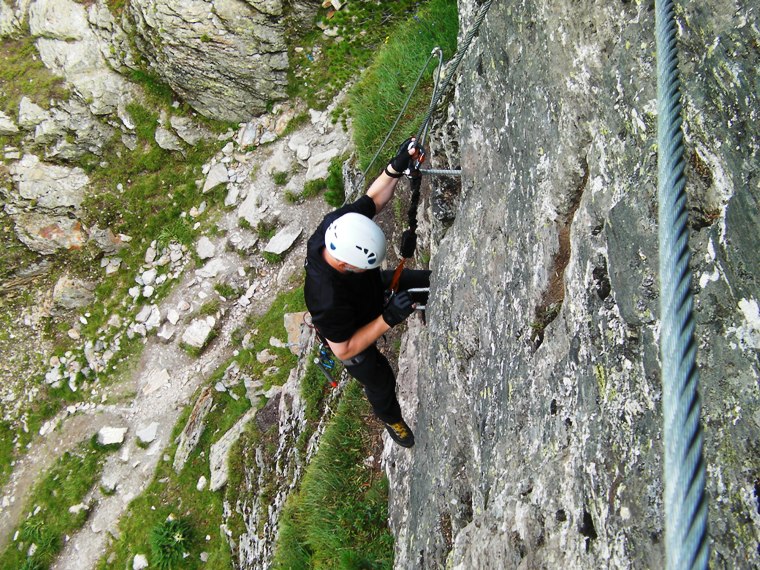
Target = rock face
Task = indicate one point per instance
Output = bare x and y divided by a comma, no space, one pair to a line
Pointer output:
227,59
540,440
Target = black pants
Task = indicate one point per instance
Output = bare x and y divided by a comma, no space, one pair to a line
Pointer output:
372,369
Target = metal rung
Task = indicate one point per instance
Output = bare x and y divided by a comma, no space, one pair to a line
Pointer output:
434,172
419,290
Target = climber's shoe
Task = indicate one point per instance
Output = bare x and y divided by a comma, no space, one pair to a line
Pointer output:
400,433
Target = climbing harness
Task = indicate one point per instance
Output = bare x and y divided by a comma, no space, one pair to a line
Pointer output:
324,359
686,542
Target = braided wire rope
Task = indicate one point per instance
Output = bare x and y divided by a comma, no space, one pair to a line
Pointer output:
686,543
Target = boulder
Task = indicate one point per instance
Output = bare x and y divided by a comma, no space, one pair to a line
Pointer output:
72,293
7,126
205,248
217,175
111,435
193,429
226,59
197,334
220,450
284,239
48,186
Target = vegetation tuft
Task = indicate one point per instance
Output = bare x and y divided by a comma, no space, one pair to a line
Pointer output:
72,476
338,518
169,541
377,98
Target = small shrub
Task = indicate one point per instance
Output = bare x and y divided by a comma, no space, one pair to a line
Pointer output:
280,178
210,307
169,540
226,290
273,257
245,224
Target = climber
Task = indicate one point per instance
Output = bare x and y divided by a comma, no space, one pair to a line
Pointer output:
345,291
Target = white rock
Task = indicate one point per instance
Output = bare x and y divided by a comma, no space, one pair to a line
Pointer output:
202,482
30,114
114,321
166,332
172,316
284,239
216,176
265,356
134,292
7,126
212,268
205,248
197,334
111,435
154,319
76,509
148,291
155,380
219,387
143,315
149,277
74,334
140,562
148,433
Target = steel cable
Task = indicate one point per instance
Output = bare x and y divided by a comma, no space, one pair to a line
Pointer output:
686,542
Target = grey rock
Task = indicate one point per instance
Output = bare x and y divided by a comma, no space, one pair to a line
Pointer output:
198,332
220,450
7,126
111,435
217,175
167,139
226,59
73,293
284,239
541,429
205,248
193,429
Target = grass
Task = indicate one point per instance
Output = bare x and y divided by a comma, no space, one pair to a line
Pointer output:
377,98
332,186
65,485
173,495
22,74
338,518
324,66
264,327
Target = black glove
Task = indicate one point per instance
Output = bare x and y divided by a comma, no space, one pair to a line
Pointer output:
408,243
403,158
400,307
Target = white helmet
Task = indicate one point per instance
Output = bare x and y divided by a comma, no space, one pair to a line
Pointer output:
356,240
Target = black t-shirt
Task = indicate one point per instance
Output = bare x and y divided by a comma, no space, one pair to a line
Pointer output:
340,303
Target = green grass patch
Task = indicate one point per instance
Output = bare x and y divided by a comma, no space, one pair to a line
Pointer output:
170,495
338,518
22,73
226,290
280,178
210,308
322,66
65,485
266,326
377,98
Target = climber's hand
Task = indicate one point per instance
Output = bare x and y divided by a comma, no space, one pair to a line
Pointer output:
399,308
408,152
